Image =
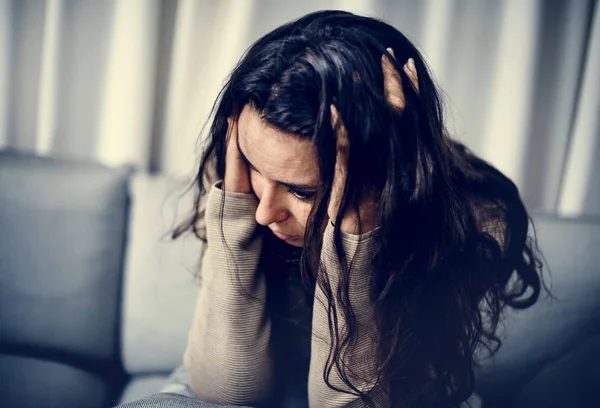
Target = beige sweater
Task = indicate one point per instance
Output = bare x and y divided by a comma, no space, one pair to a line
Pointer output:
227,356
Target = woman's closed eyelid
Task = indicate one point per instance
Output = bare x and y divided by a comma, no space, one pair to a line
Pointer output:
299,194
302,195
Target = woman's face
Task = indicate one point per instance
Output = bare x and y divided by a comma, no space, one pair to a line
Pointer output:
284,175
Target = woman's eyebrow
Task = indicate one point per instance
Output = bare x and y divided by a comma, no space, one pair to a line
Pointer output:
293,186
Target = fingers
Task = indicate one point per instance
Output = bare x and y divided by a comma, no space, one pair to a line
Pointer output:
237,177
411,72
231,140
338,124
392,82
341,162
355,220
341,159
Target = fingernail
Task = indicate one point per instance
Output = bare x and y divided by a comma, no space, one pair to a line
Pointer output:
390,51
411,65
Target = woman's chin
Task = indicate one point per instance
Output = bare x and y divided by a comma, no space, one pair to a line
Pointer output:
298,243
293,240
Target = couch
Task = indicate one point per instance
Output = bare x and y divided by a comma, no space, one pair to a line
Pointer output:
96,300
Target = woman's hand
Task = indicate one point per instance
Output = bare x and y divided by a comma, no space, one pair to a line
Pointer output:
392,82
237,176
368,211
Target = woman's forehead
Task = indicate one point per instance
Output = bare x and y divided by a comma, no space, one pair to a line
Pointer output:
276,154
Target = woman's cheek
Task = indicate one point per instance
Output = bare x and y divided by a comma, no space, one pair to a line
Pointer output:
302,213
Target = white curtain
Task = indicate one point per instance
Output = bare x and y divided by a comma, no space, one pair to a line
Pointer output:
132,81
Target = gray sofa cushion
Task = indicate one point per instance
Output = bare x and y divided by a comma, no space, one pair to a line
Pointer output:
159,285
543,334
572,381
35,383
62,225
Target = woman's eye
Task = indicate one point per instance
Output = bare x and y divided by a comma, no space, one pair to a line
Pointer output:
302,195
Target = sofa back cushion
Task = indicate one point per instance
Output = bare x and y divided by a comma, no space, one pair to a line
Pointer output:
160,282
534,338
62,228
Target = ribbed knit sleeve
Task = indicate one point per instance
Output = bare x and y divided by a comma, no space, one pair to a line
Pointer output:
227,356
361,362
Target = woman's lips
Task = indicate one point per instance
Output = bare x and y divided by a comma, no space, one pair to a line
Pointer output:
283,236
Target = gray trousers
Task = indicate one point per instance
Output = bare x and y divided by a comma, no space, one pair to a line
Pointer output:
170,400
176,393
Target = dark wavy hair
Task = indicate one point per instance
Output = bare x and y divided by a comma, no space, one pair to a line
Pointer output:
454,248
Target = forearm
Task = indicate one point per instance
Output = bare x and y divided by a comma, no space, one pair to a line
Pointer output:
361,361
227,355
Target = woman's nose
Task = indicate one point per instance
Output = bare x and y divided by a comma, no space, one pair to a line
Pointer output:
271,208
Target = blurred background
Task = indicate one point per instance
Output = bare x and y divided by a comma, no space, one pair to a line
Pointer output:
96,301
132,81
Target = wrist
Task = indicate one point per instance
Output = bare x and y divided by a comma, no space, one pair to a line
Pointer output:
350,225
354,224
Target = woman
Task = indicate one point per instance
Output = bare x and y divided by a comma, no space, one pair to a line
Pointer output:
356,255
